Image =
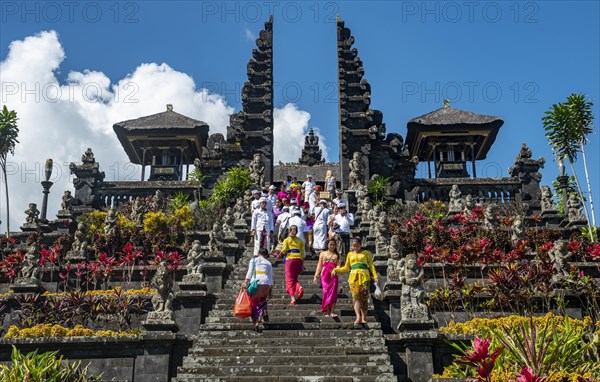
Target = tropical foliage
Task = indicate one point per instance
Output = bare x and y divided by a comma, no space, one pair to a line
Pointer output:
9,132
549,348
43,367
567,125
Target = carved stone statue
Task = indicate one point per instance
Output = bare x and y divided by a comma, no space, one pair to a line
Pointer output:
469,205
413,293
361,192
80,244
456,205
32,215
395,263
215,238
559,256
371,215
357,170
382,235
518,229
365,207
162,301
228,221
257,171
65,204
88,157
31,264
110,222
137,211
490,218
547,201
574,209
238,213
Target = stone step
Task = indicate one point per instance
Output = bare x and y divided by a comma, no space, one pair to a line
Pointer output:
383,377
268,344
289,326
315,298
296,360
281,370
282,310
283,304
337,347
279,333
288,319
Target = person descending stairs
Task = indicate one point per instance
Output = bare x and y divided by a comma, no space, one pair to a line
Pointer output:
298,343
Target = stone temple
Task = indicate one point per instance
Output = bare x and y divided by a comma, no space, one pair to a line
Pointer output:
192,334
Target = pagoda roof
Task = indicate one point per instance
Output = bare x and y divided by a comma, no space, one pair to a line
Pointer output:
449,125
159,131
450,116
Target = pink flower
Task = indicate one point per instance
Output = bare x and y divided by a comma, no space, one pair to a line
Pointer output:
480,357
528,376
594,251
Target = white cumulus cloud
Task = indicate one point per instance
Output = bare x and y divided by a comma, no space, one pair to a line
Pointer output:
60,120
290,128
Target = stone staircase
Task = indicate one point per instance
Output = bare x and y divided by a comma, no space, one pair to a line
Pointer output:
297,344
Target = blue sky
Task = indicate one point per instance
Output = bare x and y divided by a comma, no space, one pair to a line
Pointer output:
508,59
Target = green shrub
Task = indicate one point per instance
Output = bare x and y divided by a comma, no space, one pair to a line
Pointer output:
43,367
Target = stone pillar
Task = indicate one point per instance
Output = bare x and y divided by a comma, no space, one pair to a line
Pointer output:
419,354
154,364
213,269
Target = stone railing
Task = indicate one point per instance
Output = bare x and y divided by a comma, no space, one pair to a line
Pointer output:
483,190
115,193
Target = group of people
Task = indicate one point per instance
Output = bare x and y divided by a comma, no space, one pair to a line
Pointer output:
289,229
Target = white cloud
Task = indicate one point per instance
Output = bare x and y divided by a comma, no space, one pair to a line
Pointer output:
249,35
290,128
60,120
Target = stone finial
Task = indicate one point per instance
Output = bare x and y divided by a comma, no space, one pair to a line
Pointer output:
169,107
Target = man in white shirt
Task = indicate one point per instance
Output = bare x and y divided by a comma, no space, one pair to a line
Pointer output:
313,199
283,222
308,186
272,195
256,201
301,224
270,205
338,197
262,227
294,207
343,221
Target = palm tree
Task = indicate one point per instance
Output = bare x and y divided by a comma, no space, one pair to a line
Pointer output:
567,126
8,140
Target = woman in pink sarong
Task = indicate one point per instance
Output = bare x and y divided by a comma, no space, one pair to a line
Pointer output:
328,260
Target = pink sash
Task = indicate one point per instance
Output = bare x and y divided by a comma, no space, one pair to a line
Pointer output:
329,284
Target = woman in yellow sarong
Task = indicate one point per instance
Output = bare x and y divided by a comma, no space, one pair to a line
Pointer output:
360,264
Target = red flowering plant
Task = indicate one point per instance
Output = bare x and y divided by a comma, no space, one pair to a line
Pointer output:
479,357
128,257
527,375
593,252
11,265
173,259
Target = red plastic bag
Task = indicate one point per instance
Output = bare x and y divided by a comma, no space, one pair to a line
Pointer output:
242,307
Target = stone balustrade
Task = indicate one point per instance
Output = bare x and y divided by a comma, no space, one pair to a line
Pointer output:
116,193
483,190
